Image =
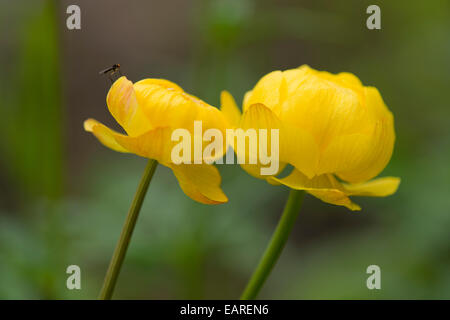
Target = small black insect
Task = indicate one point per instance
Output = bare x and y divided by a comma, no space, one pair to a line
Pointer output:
112,72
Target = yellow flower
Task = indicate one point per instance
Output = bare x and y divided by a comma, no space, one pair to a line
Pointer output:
330,126
149,111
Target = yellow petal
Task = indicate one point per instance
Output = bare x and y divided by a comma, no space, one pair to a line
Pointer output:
324,109
299,148
324,187
164,107
359,157
245,101
159,82
376,143
124,107
167,105
349,79
201,182
255,171
270,91
380,187
376,104
295,77
154,144
229,108
296,146
350,123
104,134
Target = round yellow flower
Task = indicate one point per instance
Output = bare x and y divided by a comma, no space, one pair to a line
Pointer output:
330,126
149,111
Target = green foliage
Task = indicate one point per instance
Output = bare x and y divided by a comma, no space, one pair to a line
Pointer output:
33,125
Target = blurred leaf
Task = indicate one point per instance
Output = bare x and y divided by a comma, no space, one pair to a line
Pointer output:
34,125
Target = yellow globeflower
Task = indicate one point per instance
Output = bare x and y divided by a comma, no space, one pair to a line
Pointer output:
336,133
149,111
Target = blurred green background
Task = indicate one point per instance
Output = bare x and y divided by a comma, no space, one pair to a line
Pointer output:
64,196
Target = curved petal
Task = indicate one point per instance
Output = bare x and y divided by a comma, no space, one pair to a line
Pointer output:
124,107
201,182
324,187
255,171
229,108
296,77
380,187
299,148
295,146
271,90
349,79
167,105
160,82
376,151
104,134
246,99
376,104
345,79
154,144
350,122
325,109
152,109
359,157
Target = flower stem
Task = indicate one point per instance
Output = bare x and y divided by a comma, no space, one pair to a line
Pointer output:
127,231
276,245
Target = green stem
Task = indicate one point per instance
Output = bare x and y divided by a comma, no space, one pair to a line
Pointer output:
127,231
276,245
